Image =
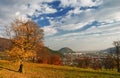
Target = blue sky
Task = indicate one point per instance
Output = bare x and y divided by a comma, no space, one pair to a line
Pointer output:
78,24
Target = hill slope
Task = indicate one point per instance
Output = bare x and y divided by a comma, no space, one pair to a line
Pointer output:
5,44
33,70
54,52
111,50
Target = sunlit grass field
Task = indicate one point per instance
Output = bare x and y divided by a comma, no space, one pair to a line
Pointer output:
33,70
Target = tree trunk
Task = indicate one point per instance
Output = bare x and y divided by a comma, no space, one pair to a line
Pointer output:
33,59
21,68
118,66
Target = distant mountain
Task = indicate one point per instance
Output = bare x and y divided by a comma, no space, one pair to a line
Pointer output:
111,50
66,50
53,51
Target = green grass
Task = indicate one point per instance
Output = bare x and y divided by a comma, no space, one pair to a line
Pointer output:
33,70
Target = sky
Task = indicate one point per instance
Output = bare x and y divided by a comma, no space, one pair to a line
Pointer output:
77,24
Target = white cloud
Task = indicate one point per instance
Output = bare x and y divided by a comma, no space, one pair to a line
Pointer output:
90,3
10,8
19,9
79,3
71,27
49,31
43,9
17,13
75,11
50,10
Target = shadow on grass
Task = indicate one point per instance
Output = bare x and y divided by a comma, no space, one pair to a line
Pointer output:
7,69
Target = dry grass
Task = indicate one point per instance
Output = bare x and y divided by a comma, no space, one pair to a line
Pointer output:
33,70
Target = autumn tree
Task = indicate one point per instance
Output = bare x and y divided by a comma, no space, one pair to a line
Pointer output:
43,56
25,36
55,59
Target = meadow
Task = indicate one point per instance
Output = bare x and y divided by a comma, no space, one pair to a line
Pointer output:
33,70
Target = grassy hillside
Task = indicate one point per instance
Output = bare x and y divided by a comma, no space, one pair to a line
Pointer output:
33,70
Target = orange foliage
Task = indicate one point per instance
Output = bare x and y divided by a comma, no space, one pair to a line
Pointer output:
27,38
56,60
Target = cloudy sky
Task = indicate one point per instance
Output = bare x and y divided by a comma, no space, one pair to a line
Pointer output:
78,24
